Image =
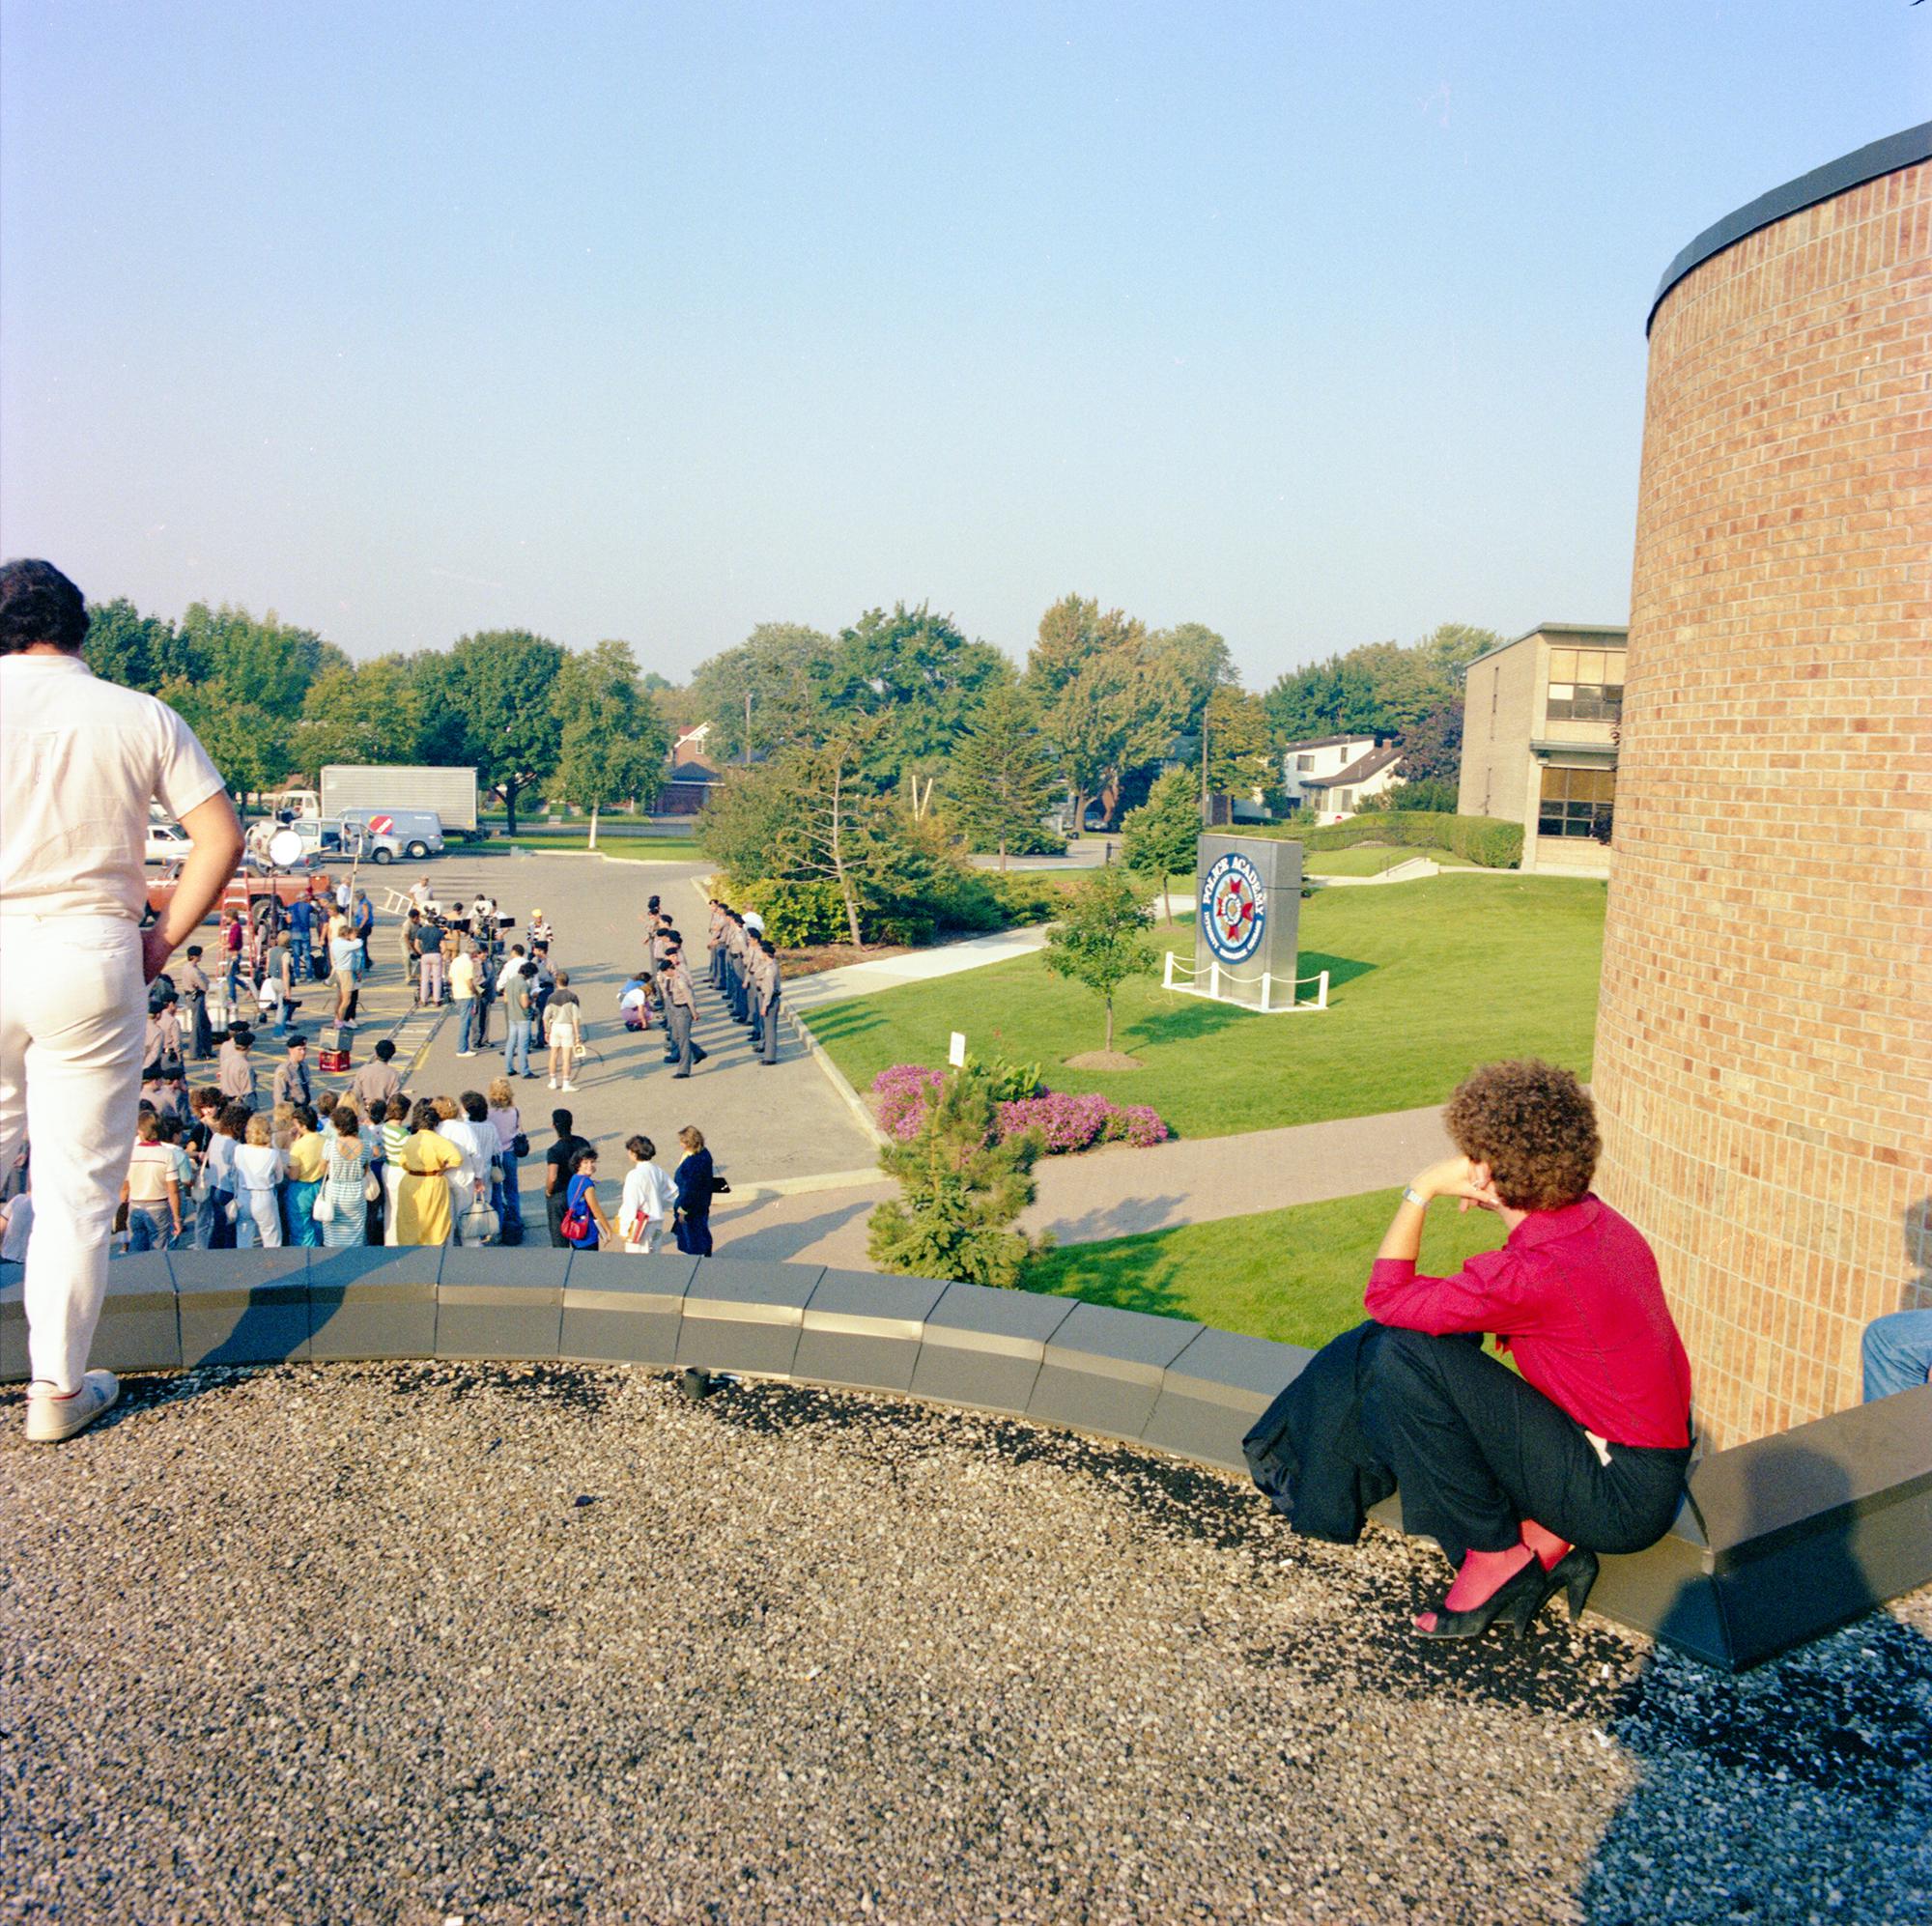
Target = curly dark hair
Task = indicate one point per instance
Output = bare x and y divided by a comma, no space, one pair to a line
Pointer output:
38,603
1534,1126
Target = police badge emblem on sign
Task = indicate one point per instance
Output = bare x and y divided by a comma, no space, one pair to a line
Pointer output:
1234,908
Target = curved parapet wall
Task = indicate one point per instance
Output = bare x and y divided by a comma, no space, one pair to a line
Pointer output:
1784,1539
1764,1045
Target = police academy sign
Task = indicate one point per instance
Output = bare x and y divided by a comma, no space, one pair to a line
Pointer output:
1234,908
1249,908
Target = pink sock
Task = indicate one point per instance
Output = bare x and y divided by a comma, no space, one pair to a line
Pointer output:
1546,1545
1482,1572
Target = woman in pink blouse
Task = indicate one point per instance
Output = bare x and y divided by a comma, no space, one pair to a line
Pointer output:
1520,1478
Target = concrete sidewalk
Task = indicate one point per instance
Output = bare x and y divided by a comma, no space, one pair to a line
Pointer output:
1120,1191
915,966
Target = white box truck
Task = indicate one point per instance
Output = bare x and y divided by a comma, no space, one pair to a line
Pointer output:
356,790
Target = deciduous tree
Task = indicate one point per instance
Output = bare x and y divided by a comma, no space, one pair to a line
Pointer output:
365,712
779,666
611,744
1099,940
503,681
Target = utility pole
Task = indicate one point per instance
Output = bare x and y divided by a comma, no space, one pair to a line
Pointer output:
747,728
1205,823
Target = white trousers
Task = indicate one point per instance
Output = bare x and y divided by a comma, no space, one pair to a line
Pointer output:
259,1221
392,1199
73,1017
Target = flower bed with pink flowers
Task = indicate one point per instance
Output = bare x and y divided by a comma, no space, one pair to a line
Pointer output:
1067,1121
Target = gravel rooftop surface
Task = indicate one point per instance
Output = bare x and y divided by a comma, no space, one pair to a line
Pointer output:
498,1643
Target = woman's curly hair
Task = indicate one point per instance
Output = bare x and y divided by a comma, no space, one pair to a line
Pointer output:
1534,1126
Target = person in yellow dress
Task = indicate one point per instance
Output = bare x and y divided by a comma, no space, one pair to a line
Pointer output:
422,1213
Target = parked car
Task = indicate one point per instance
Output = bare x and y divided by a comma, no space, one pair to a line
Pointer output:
165,841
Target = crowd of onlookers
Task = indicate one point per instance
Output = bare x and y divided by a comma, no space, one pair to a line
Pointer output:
231,1165
379,1165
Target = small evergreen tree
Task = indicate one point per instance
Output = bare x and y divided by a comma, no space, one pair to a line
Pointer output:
1099,941
1159,838
1003,775
959,1193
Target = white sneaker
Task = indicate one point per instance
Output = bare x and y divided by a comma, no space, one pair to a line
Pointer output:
50,1417
552,1082
569,1086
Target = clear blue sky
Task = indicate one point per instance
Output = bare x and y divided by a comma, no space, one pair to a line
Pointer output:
1319,324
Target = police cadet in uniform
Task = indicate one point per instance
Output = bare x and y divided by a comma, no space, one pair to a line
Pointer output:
741,966
194,994
680,1007
714,944
771,986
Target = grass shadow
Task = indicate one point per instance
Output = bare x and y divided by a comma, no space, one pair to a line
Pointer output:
1341,968
1127,1280
838,1021
1187,1022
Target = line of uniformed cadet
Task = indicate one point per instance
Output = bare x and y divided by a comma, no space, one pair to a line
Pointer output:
745,971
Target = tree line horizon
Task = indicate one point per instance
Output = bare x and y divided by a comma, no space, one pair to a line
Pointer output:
946,725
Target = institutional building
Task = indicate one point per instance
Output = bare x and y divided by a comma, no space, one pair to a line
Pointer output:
1764,1038
1540,717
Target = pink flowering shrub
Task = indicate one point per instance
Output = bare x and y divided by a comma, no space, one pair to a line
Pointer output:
903,1091
1066,1122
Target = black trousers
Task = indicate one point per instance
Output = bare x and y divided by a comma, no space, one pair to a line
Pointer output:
1474,1451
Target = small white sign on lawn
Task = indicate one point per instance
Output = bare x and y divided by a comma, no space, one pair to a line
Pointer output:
956,1054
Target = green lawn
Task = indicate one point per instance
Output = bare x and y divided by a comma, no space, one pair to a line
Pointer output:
1370,860
1426,981
1295,1275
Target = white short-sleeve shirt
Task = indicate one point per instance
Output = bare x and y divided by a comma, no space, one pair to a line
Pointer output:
80,761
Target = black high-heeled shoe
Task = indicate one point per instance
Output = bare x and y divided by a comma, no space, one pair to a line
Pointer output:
1516,1600
1573,1574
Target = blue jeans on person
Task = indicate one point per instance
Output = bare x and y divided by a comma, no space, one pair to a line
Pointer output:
1897,1352
504,1194
282,1015
214,1230
148,1229
470,1005
516,1050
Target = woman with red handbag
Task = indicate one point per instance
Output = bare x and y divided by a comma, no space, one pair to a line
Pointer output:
584,1227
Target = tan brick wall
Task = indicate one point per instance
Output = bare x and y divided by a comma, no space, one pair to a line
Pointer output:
1499,705
1764,1053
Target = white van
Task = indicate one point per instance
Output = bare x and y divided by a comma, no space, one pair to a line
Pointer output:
390,836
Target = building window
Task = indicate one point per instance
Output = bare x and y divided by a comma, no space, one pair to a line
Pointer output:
1345,801
1587,686
1304,763
1576,803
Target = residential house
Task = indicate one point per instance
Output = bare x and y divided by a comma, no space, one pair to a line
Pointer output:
1336,776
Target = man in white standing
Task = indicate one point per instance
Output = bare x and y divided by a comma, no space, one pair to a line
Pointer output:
80,761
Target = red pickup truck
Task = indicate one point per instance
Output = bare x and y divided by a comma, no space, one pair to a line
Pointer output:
249,892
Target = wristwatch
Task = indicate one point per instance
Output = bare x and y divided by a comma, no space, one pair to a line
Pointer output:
1411,1195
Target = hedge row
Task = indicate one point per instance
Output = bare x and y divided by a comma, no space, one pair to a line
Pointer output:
1485,841
801,915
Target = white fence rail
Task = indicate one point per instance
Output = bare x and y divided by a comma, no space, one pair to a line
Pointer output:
1216,981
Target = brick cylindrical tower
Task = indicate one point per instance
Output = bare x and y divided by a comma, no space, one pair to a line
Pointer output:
1764,1050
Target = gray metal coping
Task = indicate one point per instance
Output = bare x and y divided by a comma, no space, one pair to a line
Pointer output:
1878,158
1781,1539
